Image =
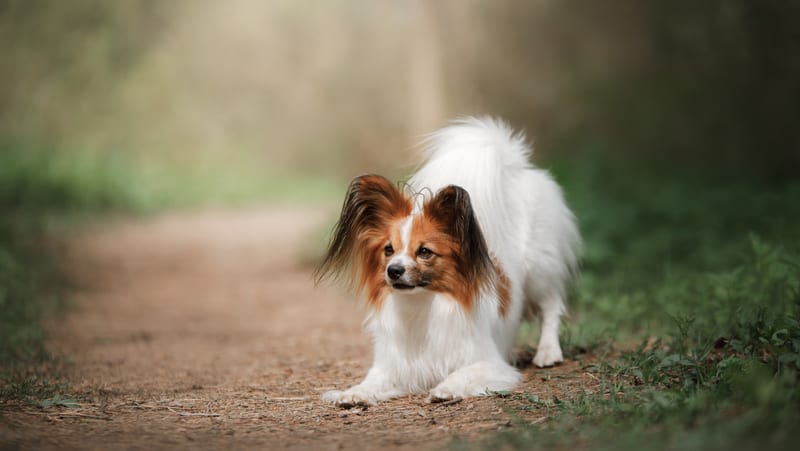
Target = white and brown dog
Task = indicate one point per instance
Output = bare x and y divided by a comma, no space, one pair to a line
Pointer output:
449,264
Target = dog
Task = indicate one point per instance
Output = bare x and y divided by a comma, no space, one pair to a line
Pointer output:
450,263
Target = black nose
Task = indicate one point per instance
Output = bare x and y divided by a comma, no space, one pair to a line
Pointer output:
395,271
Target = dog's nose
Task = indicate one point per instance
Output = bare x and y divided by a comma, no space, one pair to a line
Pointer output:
395,271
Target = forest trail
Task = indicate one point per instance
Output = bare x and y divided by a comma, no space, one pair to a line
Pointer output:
205,330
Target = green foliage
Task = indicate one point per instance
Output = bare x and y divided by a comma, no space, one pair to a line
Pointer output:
27,276
58,401
41,391
32,178
646,228
58,180
702,272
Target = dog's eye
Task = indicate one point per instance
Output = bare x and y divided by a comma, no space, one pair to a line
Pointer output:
424,253
388,250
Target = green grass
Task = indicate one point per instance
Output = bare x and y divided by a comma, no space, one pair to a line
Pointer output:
26,278
34,178
704,272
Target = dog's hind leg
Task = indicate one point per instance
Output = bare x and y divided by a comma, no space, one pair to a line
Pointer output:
548,306
548,353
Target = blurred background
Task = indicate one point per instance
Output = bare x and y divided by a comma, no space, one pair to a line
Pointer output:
671,124
331,89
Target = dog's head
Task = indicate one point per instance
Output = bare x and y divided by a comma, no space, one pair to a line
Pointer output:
385,243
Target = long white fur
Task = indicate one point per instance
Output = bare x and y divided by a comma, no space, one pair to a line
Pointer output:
424,341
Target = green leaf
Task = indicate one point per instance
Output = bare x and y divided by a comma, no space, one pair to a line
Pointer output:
57,401
788,358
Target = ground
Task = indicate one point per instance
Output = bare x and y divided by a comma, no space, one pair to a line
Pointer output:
205,330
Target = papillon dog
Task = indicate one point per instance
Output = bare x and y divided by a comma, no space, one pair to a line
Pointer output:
450,262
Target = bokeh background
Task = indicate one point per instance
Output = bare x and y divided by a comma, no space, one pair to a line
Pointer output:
332,89
671,125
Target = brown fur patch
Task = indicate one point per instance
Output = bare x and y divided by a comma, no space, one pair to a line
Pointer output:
371,206
469,267
442,271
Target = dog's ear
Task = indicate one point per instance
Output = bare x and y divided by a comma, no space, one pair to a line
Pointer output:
371,203
452,209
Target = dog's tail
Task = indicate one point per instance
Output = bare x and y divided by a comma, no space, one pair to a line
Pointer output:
484,142
480,154
491,161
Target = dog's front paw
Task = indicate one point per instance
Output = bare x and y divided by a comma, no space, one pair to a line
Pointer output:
456,386
442,394
548,355
476,379
349,398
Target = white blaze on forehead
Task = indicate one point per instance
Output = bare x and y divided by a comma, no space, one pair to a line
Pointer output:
405,233
402,253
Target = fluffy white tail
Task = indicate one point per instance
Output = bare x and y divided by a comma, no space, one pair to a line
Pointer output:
479,139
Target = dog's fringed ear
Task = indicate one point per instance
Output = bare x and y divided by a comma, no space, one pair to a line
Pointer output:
371,203
452,208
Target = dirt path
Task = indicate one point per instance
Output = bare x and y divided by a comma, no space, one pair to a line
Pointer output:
204,330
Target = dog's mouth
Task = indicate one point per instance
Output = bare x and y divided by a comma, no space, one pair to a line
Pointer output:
405,286
402,286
